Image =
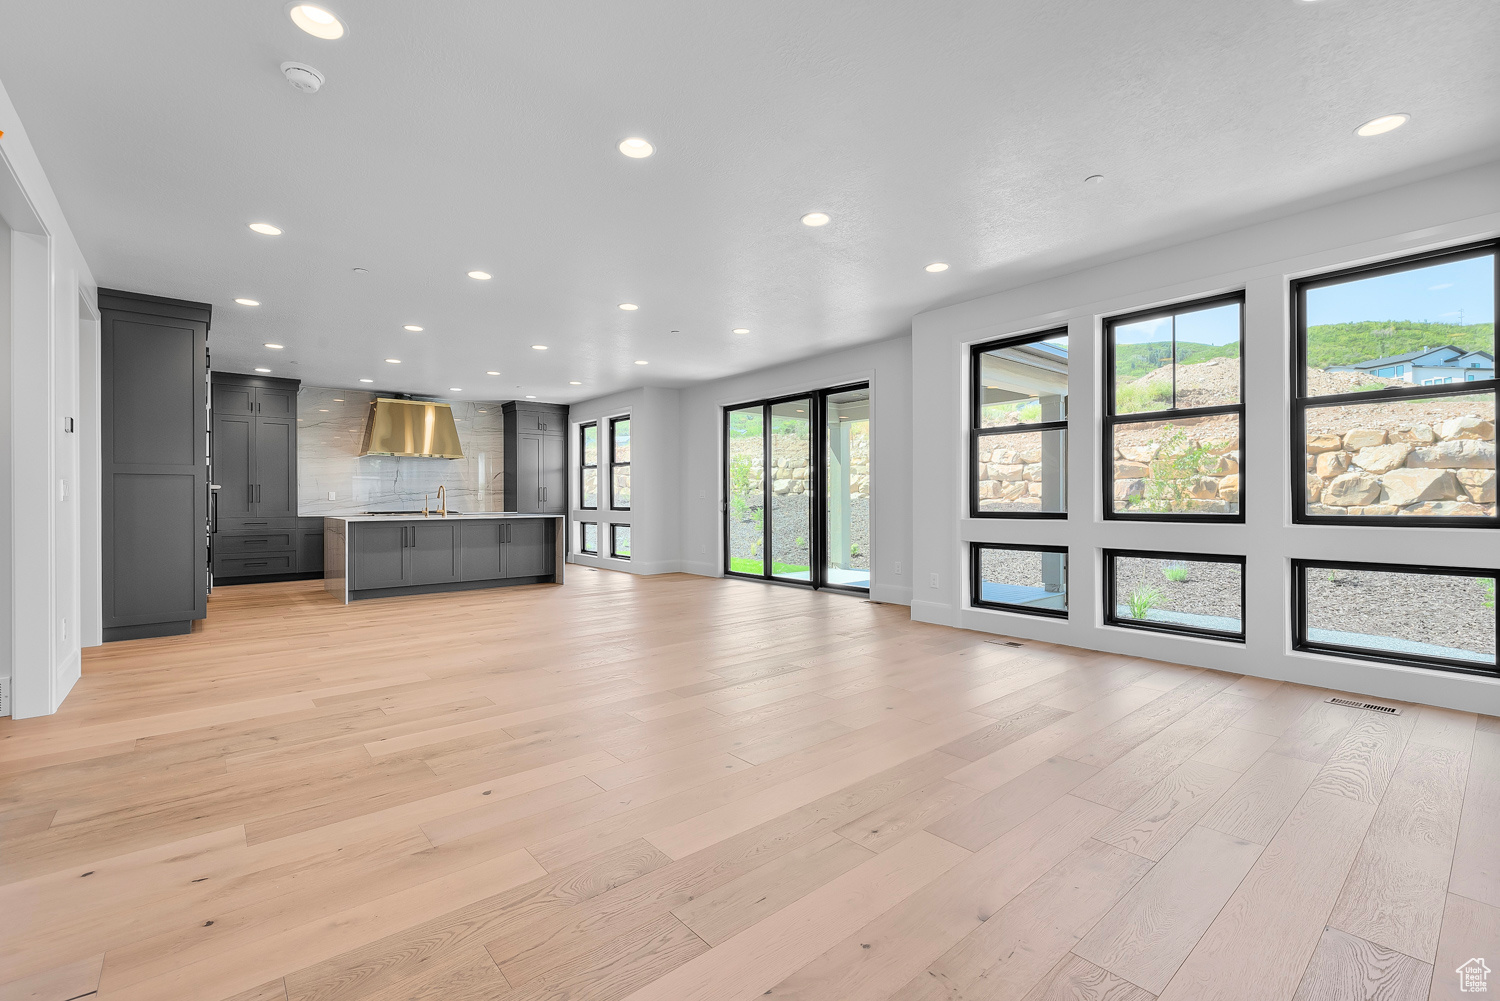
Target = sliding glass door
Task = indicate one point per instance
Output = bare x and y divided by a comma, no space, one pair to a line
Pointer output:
797,489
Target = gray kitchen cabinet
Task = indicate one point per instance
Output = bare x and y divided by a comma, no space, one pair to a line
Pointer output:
377,554
254,448
432,556
527,550
480,550
154,473
536,458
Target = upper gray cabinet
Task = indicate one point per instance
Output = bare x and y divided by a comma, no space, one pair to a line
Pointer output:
154,358
254,450
536,458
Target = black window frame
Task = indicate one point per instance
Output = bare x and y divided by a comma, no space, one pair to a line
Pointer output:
614,539
976,432
1301,402
583,464
583,538
976,581
1111,420
614,464
1111,617
1302,644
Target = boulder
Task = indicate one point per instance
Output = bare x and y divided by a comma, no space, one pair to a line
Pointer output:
1314,488
1447,509
1467,429
1007,472
1013,490
1460,454
1034,489
1129,490
1479,484
1131,470
1228,463
781,486
1413,486
1375,509
1140,453
1363,438
1381,458
1351,489
1223,447
1032,471
1331,464
1323,509
1324,443
1312,463
1412,434
1229,487
1203,487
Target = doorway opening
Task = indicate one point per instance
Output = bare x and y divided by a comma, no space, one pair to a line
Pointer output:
797,489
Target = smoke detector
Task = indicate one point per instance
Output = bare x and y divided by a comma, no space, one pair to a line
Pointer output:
302,76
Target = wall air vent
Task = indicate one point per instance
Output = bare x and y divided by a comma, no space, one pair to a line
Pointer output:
4,696
1371,706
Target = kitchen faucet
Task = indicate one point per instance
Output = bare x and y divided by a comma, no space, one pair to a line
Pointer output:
442,501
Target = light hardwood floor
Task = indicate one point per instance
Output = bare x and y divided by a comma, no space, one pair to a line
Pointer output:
681,788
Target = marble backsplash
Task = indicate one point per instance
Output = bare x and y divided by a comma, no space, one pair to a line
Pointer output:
330,427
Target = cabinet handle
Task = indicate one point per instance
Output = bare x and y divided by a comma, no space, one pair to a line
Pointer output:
262,563
256,542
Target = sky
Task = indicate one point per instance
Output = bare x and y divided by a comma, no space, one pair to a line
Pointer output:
1459,291
1220,325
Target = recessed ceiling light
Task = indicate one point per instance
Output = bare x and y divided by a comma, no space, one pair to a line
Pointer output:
322,411
265,229
531,397
936,266
248,302
262,370
316,21
741,330
480,276
1094,179
454,389
642,363
1382,125
816,219
492,373
539,347
629,306
338,399
393,361
575,384
484,411
367,380
413,328
274,347
636,148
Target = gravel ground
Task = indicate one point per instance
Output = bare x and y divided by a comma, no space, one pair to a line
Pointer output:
1445,611
1020,567
1337,420
790,523
1210,588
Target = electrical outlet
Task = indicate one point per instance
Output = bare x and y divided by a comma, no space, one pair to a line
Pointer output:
332,495
702,494
932,580
898,568
702,550
62,490
62,629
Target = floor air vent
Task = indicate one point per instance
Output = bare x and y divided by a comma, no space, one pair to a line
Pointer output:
1005,642
1390,710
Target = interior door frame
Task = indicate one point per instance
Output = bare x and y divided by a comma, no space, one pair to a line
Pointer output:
818,473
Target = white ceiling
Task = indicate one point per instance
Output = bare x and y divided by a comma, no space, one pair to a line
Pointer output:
461,135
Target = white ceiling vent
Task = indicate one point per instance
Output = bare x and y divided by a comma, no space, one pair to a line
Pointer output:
302,76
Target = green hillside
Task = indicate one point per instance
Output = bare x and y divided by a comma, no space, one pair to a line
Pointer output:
1348,343
1135,360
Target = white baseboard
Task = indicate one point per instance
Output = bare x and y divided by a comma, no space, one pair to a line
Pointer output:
890,594
701,569
935,612
68,673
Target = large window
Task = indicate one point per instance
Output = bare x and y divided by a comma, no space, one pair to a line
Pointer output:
1030,579
1019,449
1174,413
1394,411
1187,593
619,463
588,462
1425,616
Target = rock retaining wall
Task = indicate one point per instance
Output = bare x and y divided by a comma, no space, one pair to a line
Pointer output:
1405,469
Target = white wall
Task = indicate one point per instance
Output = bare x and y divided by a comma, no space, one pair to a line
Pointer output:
47,278
886,366
654,479
1449,210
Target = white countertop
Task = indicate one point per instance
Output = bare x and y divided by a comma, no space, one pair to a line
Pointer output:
434,516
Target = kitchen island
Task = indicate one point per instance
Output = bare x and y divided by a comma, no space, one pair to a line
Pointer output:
382,555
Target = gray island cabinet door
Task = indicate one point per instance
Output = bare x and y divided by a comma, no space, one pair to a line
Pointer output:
480,542
378,554
434,553
527,553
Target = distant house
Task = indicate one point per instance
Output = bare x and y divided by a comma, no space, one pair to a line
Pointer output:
1429,366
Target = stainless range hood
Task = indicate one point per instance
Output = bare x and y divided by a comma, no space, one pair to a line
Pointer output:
412,428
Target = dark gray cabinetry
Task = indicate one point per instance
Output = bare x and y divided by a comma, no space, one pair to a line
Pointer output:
433,556
256,531
482,548
491,550
536,458
431,553
377,554
528,552
154,356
